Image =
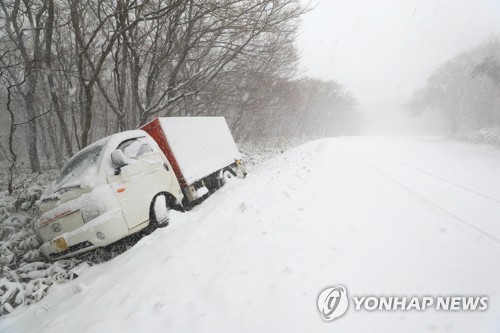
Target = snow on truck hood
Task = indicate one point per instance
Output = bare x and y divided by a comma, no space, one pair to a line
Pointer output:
256,254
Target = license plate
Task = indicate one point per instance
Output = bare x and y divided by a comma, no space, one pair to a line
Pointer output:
60,244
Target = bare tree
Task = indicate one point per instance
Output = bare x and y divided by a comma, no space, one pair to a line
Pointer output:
464,89
23,28
12,129
96,67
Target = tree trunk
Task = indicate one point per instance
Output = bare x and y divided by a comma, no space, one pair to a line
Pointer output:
87,121
32,139
50,78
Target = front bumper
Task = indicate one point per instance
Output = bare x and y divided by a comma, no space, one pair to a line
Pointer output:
87,237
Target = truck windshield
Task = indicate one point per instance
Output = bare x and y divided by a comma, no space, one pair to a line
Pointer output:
78,166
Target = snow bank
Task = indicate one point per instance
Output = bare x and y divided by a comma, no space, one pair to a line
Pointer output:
25,274
489,136
256,152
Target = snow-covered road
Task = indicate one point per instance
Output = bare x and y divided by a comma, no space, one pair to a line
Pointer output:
381,216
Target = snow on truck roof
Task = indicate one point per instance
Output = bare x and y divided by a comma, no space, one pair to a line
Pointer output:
201,145
116,139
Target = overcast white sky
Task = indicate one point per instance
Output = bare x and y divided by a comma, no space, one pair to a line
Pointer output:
384,49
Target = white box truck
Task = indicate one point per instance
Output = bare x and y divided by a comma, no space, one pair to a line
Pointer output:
128,181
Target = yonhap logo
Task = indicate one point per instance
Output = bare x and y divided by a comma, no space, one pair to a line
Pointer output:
333,302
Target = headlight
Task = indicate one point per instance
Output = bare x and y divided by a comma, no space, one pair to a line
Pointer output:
91,212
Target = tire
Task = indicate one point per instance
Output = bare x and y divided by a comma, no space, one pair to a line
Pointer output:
160,212
227,174
213,183
154,221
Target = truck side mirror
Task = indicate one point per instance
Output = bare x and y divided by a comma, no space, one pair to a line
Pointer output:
118,159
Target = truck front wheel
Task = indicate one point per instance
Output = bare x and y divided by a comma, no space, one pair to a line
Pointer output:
160,210
158,214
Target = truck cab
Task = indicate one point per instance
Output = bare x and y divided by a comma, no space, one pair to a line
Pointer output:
113,188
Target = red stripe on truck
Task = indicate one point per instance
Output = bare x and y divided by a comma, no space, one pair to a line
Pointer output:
153,128
44,222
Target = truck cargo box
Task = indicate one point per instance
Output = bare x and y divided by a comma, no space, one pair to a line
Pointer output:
195,146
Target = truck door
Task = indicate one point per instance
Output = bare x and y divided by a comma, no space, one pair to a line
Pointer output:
145,175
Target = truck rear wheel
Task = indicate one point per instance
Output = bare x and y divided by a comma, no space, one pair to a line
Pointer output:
227,174
213,182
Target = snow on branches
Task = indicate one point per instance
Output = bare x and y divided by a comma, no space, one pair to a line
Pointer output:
25,275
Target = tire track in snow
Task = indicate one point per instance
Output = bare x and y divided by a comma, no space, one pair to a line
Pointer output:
434,205
445,180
